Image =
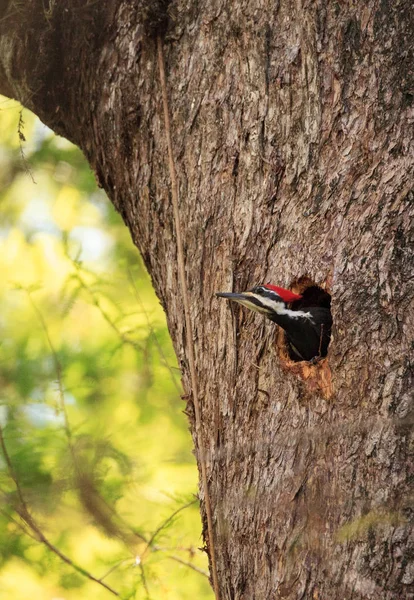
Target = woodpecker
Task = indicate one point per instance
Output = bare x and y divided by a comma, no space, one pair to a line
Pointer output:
307,324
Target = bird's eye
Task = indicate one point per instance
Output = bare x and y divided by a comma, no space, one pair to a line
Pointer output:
258,290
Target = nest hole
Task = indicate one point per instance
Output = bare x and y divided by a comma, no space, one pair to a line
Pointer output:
317,373
312,295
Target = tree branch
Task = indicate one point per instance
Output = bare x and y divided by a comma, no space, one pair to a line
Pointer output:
25,515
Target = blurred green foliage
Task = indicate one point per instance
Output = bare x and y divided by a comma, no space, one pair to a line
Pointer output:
97,454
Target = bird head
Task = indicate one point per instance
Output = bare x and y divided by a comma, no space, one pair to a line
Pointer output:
266,299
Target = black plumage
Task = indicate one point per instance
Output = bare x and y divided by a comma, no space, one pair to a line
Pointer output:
308,336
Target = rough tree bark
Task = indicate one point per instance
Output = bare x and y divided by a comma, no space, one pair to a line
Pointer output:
293,135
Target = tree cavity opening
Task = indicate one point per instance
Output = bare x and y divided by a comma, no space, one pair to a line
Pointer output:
317,301
316,373
313,297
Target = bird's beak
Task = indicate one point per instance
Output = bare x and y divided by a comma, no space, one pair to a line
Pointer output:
247,299
232,296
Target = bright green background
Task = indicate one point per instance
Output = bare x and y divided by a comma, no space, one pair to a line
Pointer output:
78,312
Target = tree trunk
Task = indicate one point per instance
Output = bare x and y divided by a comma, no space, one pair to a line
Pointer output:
293,139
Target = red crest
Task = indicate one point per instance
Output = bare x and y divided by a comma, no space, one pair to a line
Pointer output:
286,295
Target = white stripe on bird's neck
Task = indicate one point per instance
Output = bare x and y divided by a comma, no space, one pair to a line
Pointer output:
293,314
280,309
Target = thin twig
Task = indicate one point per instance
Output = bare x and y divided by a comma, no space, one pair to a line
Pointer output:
116,566
155,548
58,369
152,332
11,471
124,339
165,524
22,139
144,580
187,318
19,525
188,564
